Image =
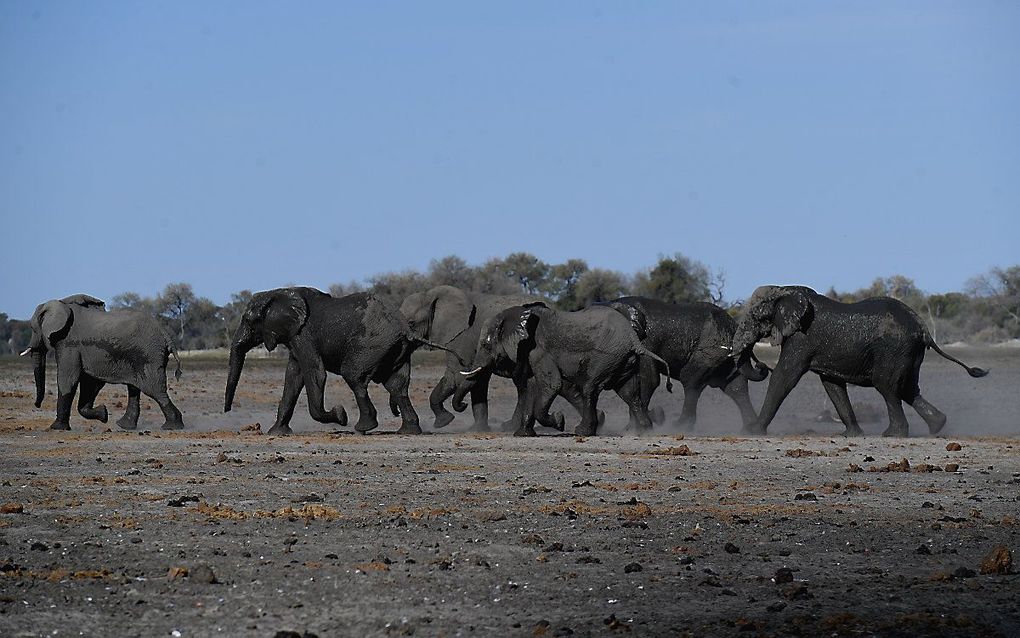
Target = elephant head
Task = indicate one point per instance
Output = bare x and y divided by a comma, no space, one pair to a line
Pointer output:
440,314
774,311
50,323
271,317
503,337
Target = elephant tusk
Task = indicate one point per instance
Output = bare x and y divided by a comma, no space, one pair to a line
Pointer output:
471,373
27,352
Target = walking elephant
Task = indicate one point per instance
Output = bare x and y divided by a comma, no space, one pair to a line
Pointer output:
878,342
360,337
454,317
573,354
94,347
695,339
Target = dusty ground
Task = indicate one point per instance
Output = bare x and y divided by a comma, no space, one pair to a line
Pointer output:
335,534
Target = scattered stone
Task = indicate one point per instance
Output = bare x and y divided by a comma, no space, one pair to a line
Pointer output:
805,496
797,591
612,624
294,634
630,568
177,572
731,548
964,572
307,498
776,606
532,539
854,468
923,550
952,467
998,561
783,575
589,560
181,500
954,447
39,546
681,450
799,453
12,508
202,573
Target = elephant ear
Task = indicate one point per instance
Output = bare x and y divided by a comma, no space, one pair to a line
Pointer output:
793,314
285,313
54,317
86,301
450,314
518,328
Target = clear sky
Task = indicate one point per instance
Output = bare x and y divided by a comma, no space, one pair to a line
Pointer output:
247,144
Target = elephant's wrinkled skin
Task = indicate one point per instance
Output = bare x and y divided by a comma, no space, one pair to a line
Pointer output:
94,347
360,337
574,354
454,317
878,342
695,339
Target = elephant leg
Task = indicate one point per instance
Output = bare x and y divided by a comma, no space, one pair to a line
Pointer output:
367,417
632,395
315,387
67,385
689,413
935,419
397,386
897,419
836,390
650,380
173,420
480,404
130,419
542,391
589,415
88,391
789,369
737,390
524,398
293,381
443,391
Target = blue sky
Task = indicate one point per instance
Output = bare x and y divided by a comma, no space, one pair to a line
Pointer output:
243,145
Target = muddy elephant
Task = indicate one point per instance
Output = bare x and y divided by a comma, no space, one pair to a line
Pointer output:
695,339
573,354
360,337
454,317
94,347
878,342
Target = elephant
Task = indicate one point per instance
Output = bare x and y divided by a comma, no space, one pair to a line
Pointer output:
454,317
361,337
94,347
575,354
878,342
695,339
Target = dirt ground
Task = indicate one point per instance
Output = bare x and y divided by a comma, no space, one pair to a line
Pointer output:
222,530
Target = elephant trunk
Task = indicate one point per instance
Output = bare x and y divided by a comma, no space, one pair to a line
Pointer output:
39,363
242,344
458,402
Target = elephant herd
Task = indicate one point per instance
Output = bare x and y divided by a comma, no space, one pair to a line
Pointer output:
622,345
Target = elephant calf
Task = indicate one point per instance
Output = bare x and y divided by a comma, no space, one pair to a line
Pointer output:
360,337
877,342
573,354
94,347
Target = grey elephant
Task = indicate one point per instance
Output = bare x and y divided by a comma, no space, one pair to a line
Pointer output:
454,317
695,339
573,354
94,347
878,342
361,337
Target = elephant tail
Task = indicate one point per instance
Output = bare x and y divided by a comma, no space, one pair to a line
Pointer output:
425,342
974,372
171,350
641,350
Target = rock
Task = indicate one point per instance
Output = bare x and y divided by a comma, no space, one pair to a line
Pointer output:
805,496
202,573
963,572
39,546
923,550
307,498
854,468
12,508
783,575
222,457
797,591
181,500
952,467
998,561
731,548
612,624
630,568
176,572
776,606
954,447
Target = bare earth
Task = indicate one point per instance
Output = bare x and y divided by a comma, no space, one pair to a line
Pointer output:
117,533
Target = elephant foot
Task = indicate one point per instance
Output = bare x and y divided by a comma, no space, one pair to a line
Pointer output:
280,430
480,426
525,432
584,430
60,425
127,423
554,421
98,413
656,414
853,431
339,415
366,425
895,432
173,425
443,419
509,426
408,428
459,406
753,430
935,426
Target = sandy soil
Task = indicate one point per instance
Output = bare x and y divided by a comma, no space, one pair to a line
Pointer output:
704,533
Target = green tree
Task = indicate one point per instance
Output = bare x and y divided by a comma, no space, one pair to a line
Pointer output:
599,284
676,279
561,283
